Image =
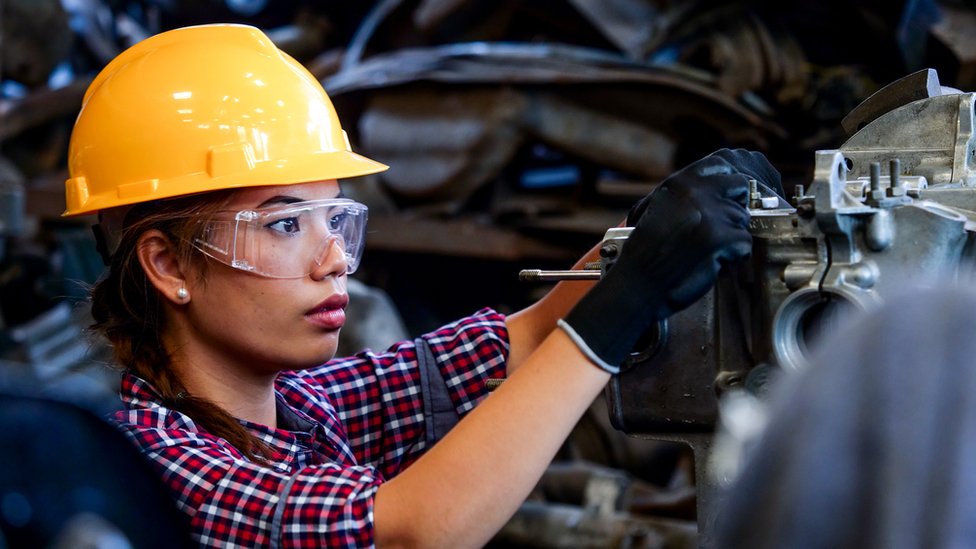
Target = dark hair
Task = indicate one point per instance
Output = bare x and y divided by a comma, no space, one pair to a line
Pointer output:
128,311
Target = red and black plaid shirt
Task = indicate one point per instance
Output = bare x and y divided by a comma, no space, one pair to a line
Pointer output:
343,428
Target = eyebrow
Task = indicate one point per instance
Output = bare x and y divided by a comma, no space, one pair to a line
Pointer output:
285,199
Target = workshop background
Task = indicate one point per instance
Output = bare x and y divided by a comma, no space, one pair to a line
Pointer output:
516,132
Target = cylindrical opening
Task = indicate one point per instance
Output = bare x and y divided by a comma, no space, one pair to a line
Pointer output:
802,322
648,345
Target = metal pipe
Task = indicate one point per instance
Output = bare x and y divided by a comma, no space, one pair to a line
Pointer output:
538,275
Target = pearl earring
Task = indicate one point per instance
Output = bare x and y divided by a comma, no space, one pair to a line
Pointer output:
182,294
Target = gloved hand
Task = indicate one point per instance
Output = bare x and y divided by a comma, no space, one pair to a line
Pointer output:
751,163
690,225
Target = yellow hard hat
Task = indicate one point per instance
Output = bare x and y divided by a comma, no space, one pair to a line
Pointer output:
198,109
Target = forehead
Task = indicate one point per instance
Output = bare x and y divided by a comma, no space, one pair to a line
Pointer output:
252,197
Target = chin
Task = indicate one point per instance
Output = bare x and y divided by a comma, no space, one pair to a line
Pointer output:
317,357
304,350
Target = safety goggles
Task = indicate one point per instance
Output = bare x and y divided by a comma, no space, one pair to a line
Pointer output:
289,241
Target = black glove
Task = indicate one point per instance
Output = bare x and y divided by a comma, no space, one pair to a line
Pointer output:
751,163
695,221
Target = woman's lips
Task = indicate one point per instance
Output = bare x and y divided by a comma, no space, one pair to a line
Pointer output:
330,314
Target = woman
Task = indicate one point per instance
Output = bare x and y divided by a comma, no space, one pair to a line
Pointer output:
212,159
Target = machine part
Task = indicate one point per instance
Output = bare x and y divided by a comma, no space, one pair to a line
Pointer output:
12,202
748,54
539,275
918,85
41,106
610,140
539,524
953,31
444,146
35,39
247,8
634,26
802,319
932,138
379,12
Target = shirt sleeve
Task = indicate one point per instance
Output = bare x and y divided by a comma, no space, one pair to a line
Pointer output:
233,502
386,401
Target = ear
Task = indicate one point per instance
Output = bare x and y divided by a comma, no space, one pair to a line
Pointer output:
160,261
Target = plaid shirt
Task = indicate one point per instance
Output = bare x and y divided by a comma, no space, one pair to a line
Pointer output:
343,428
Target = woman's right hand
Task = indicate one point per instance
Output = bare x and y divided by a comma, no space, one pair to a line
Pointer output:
686,229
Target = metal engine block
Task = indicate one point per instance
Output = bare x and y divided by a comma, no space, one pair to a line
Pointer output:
895,206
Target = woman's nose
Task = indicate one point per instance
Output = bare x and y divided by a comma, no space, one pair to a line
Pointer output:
331,261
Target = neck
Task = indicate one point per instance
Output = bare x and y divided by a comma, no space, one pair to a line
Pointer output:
244,394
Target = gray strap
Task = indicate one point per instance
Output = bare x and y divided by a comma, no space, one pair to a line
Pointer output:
277,532
439,412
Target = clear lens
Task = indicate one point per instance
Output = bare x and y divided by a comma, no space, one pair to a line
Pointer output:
288,241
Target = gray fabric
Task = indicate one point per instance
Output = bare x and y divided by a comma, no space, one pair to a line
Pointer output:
440,415
874,445
276,526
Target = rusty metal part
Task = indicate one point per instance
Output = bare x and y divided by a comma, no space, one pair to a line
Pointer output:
303,39
441,17
96,29
41,106
626,144
539,524
634,26
442,145
955,31
357,45
747,54
325,64
11,203
34,38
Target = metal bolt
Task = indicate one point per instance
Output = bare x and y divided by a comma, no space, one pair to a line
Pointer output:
608,251
798,191
862,275
875,191
894,173
755,197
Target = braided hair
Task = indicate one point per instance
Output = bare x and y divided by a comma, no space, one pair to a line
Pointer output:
128,311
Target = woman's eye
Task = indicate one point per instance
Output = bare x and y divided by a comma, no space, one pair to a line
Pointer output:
287,225
335,222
